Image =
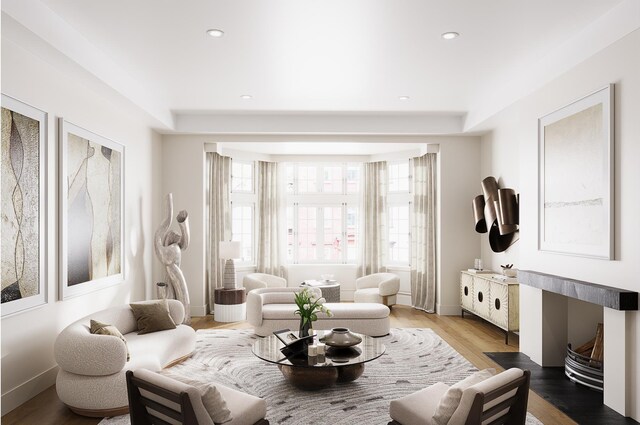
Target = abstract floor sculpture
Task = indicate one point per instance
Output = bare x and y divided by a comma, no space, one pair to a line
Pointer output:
414,359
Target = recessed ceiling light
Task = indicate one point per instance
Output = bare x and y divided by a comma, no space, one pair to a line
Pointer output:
403,97
246,96
450,35
215,33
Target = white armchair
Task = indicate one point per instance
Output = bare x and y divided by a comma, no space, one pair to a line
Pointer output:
379,288
262,280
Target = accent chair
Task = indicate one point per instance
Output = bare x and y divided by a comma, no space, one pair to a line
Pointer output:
381,288
262,280
500,399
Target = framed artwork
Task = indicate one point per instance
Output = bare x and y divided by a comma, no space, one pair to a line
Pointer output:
23,206
91,211
576,177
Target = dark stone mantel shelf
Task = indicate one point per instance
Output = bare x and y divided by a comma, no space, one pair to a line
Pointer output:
606,296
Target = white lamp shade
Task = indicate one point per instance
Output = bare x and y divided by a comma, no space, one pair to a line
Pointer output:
230,250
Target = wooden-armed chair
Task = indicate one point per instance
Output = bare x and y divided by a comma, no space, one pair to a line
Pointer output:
155,399
500,399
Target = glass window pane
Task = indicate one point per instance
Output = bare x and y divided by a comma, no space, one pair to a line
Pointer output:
399,233
352,234
332,234
307,237
332,182
307,178
353,178
289,177
242,229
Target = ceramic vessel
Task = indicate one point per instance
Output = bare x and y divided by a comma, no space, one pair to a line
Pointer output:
341,337
510,272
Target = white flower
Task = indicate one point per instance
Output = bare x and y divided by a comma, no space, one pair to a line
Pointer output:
322,301
306,306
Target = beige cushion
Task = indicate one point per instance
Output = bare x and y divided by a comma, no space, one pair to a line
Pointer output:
451,399
417,408
211,399
245,408
152,316
104,329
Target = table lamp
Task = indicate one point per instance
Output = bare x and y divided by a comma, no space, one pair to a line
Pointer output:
229,251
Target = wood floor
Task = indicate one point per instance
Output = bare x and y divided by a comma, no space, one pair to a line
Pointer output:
469,336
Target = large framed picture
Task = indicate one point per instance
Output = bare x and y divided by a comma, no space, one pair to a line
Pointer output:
91,211
23,206
576,184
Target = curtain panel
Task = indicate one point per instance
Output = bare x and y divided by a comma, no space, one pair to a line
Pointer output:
423,232
270,216
374,218
218,219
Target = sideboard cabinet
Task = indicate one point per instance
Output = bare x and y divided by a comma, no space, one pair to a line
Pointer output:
491,298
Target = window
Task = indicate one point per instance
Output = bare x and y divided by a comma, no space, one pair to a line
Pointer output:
243,210
321,212
242,219
241,176
398,210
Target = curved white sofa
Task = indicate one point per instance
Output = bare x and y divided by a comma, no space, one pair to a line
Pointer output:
272,309
91,380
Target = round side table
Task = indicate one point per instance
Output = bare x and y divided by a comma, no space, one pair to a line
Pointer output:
230,305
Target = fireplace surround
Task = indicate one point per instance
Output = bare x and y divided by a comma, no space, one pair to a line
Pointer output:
544,329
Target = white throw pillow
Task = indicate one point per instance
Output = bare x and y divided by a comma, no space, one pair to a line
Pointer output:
212,400
451,399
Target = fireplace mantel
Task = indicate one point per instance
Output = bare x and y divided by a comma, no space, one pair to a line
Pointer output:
606,296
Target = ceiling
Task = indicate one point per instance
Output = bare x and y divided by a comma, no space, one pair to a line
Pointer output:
329,56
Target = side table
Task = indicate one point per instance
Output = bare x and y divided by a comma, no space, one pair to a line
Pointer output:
230,305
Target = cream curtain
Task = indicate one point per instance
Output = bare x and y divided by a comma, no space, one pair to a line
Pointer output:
270,213
423,233
219,218
374,218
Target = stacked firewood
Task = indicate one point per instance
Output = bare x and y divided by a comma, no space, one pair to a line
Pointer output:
594,348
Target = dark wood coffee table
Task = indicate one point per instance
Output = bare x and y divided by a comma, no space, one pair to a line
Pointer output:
313,373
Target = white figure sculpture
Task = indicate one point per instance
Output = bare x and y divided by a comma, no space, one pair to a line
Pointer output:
169,246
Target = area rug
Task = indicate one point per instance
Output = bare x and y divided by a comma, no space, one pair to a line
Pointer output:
414,359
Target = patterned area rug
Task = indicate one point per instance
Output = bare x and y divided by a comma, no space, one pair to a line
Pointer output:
414,359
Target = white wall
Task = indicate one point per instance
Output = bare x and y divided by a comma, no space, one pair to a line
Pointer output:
459,244
62,90
514,138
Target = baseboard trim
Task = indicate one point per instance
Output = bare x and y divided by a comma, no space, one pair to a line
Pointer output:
448,310
404,299
27,390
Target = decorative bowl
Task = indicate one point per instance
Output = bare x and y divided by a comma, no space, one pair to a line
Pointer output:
326,277
510,272
341,337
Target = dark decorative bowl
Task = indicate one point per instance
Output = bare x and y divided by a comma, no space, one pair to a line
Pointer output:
341,337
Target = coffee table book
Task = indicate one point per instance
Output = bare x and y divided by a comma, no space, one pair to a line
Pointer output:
292,344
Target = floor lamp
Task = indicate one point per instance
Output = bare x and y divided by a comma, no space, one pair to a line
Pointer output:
229,251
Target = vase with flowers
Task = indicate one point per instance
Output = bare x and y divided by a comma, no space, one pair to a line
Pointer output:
309,304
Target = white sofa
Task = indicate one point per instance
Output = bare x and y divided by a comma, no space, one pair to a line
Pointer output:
271,309
91,379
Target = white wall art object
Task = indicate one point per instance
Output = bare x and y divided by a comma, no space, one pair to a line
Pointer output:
576,184
91,211
23,206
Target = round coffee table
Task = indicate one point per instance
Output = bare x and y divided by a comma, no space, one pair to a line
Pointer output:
313,373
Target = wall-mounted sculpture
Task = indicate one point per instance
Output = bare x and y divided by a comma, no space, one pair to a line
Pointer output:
496,211
169,246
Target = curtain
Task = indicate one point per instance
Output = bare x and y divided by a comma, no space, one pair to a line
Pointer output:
270,213
218,218
423,233
374,218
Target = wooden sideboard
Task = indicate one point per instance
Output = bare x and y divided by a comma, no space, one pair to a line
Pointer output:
492,299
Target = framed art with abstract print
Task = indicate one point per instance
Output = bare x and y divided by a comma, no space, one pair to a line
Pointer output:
23,206
91,211
576,177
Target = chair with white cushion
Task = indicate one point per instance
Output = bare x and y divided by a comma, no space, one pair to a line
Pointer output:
381,288
478,399
262,280
158,399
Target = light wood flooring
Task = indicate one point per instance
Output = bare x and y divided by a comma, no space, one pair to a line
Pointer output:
469,336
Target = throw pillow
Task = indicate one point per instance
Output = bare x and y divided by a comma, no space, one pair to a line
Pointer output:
214,403
104,329
451,399
152,317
